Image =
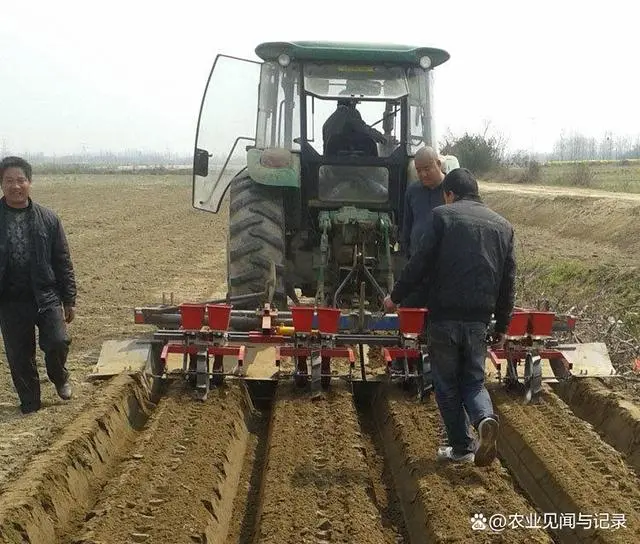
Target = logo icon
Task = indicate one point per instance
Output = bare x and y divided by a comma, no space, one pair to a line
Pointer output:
478,522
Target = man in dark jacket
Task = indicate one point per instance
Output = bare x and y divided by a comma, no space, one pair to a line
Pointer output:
345,130
468,253
420,200
37,286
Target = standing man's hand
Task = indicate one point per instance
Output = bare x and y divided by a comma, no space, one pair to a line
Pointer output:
498,340
69,313
389,305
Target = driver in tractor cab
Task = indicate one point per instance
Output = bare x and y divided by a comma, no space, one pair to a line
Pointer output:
345,130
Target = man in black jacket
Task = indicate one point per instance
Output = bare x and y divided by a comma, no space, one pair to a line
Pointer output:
37,286
345,130
468,254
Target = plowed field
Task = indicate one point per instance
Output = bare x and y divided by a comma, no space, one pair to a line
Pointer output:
126,461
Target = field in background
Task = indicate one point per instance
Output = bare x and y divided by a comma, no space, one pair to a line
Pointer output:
581,252
616,176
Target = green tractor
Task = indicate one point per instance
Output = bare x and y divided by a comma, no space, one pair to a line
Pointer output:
314,209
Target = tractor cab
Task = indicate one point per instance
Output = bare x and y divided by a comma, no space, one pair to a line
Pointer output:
323,135
285,101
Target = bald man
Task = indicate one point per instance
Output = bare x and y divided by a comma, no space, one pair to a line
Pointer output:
421,197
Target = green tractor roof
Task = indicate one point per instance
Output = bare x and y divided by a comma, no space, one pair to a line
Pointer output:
370,53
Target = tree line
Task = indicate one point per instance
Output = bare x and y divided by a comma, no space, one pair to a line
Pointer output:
610,147
484,152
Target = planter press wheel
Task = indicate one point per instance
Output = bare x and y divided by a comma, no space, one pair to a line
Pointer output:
300,375
325,368
217,379
193,366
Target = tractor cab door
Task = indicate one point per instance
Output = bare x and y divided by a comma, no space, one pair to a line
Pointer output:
227,120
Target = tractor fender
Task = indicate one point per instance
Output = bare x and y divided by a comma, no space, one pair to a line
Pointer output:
276,167
449,162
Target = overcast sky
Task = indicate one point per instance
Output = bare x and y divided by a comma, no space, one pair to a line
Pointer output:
130,74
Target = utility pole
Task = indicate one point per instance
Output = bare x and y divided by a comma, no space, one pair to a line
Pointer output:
533,129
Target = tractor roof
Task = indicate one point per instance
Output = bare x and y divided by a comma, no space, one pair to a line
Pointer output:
371,53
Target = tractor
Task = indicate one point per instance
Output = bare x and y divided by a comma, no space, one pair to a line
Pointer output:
314,146
323,207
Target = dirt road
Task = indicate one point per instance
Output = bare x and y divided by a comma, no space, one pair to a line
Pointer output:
573,192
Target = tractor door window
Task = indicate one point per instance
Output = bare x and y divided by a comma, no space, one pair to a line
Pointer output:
420,125
278,107
226,124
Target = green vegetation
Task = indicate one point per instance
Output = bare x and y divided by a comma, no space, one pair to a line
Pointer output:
485,156
615,176
604,297
479,153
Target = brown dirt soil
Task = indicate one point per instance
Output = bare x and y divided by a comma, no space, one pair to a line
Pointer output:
249,492
617,418
586,227
594,227
441,499
565,466
126,251
178,485
58,484
321,471
575,192
318,484
628,389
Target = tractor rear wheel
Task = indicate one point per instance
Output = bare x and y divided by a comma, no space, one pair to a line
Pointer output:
256,240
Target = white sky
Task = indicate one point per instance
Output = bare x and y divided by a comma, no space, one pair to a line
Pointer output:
130,74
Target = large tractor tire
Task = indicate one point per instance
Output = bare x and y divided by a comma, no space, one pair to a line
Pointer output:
256,240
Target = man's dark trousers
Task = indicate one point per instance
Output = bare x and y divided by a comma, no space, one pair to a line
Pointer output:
457,352
18,320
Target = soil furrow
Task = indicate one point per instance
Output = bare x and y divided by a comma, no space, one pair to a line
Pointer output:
180,482
441,501
318,486
59,484
246,507
317,471
565,466
616,419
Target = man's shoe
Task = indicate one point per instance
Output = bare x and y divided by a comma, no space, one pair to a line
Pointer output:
445,453
64,391
397,366
30,407
487,450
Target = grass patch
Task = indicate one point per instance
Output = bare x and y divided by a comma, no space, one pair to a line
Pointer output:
604,297
614,176
86,169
